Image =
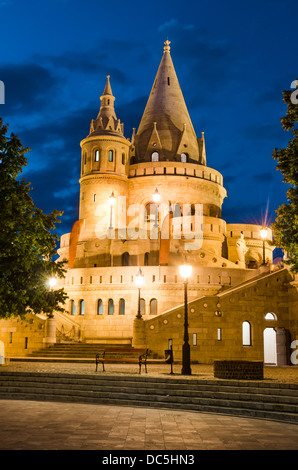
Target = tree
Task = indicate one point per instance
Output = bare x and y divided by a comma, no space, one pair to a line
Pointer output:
27,244
285,227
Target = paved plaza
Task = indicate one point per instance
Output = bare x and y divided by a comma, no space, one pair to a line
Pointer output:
33,425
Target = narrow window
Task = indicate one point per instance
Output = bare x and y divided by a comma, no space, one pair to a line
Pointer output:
26,342
153,307
170,343
218,334
72,307
10,337
100,279
183,157
155,157
123,159
99,307
146,259
111,155
82,307
85,158
246,333
94,197
96,158
122,307
111,307
81,280
142,306
168,80
90,279
125,259
194,339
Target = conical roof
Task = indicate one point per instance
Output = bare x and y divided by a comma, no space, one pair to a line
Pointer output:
166,122
106,121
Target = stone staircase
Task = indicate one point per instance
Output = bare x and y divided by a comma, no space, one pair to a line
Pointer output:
75,352
276,401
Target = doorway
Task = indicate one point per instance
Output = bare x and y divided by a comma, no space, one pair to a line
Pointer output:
270,356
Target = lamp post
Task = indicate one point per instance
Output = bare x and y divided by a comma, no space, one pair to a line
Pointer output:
139,282
52,282
185,272
112,200
263,233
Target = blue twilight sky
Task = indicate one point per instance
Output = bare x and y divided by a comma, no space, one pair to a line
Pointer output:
232,58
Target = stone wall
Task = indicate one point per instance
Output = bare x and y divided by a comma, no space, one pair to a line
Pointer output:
238,370
216,322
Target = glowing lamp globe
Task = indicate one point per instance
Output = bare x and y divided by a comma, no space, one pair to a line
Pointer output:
185,271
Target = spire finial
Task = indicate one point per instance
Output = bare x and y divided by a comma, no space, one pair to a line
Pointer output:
167,46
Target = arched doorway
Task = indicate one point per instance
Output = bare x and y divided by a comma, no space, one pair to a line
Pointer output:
270,356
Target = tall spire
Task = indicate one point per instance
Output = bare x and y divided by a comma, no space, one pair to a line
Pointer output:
106,120
166,115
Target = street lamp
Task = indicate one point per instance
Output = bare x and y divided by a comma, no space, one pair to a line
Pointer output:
139,279
263,233
52,283
185,272
112,200
156,196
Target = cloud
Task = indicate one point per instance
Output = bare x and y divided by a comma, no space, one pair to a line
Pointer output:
265,177
27,87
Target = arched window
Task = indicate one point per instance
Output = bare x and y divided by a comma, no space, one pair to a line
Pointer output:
96,156
72,307
270,316
122,307
146,259
111,155
82,307
184,157
177,211
246,333
125,259
142,306
153,307
155,157
123,159
99,307
111,307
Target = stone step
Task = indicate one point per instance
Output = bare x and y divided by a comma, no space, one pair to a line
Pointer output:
172,394
168,393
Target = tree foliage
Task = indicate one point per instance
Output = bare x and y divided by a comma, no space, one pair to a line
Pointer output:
27,244
285,226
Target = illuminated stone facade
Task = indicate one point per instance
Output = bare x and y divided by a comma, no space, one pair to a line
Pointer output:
110,242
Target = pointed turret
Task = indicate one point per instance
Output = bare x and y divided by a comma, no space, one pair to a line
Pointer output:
106,120
166,127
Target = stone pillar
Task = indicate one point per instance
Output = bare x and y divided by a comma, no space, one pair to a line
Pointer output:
50,336
2,357
281,347
139,335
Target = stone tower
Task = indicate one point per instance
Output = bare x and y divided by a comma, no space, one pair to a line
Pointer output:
110,242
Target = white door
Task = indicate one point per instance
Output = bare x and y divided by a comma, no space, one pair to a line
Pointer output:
270,346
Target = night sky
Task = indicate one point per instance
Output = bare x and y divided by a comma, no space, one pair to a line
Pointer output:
233,59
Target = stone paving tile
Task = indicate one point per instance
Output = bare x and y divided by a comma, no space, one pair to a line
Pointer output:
29,425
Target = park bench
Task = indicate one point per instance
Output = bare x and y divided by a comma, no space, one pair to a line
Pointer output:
139,356
119,356
168,359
